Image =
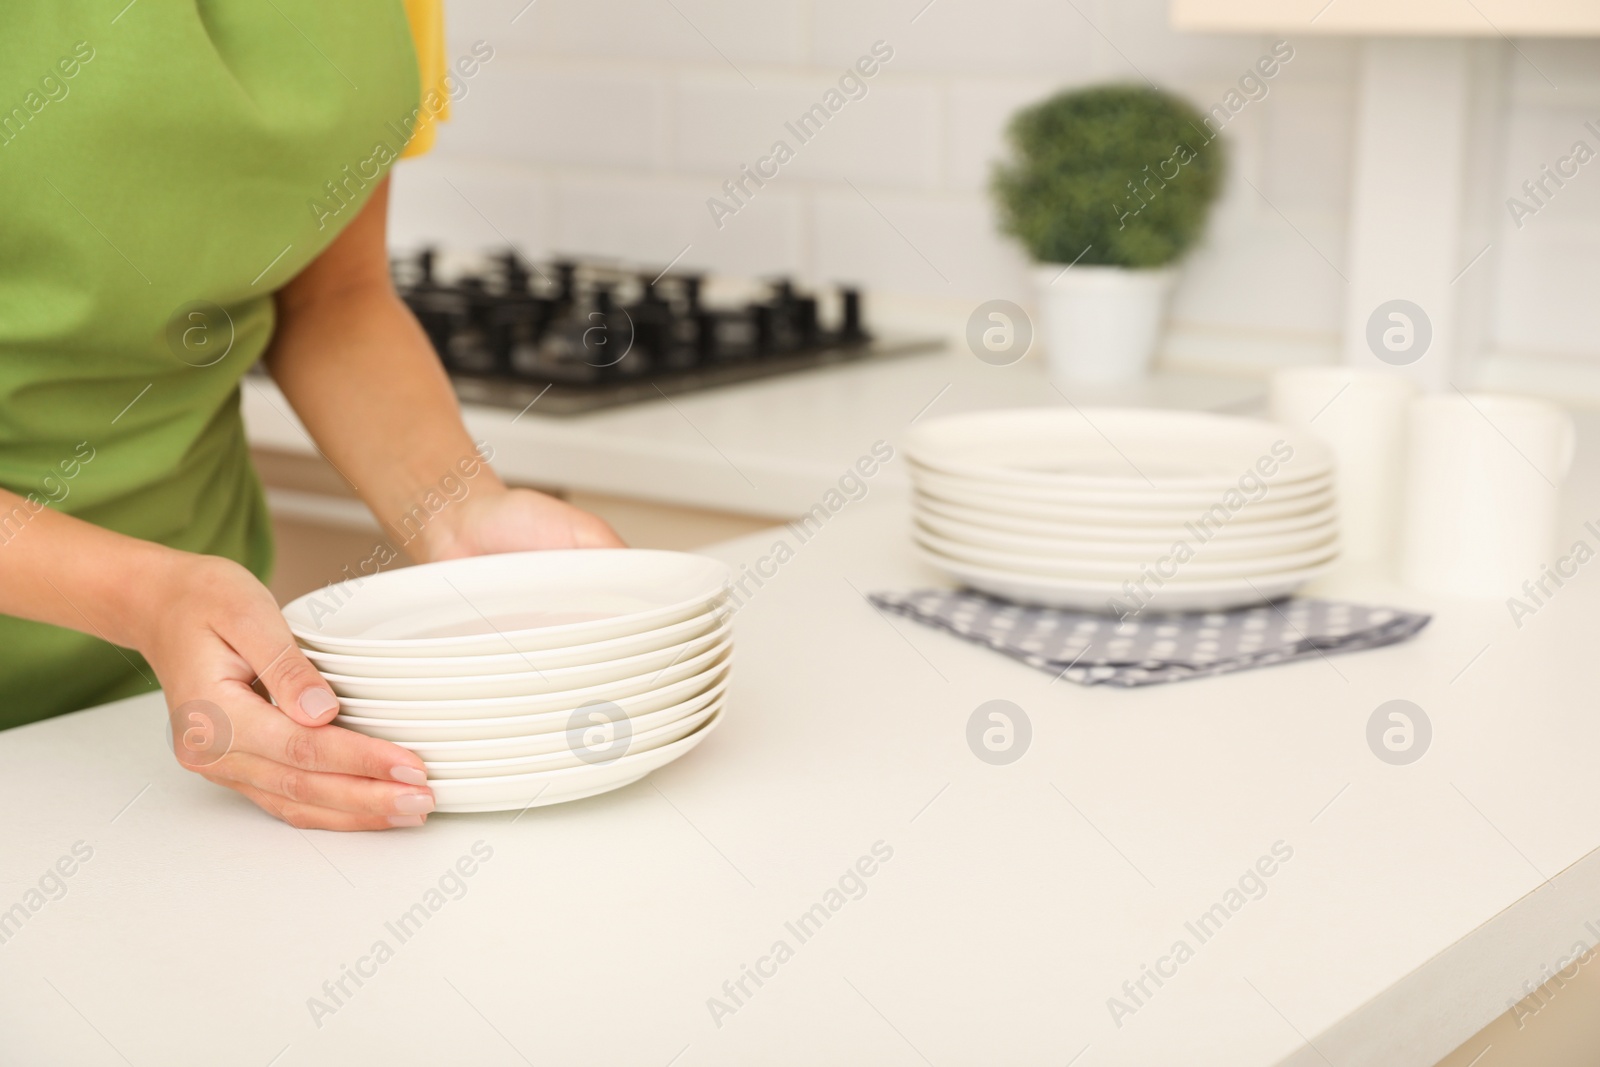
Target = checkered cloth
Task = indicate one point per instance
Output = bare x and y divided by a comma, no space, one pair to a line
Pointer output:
1093,649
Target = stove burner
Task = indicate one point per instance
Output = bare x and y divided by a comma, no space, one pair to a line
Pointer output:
578,337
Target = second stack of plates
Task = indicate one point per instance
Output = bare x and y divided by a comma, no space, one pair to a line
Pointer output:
1123,510
529,678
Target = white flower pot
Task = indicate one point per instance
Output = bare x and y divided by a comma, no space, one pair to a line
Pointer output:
1101,324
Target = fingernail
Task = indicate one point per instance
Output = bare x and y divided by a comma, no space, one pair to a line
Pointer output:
413,803
318,703
405,820
409,775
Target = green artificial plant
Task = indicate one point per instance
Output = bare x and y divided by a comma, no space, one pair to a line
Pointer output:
1117,175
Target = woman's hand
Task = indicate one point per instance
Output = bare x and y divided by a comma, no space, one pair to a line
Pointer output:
214,636
497,519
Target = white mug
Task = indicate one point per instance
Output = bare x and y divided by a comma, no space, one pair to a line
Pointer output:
1361,415
1483,496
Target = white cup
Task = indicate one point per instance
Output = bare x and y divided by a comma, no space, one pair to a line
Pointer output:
1483,495
1361,415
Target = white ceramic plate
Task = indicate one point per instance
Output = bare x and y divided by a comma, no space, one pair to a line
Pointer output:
1084,595
518,726
553,740
1191,570
1145,496
1265,508
1126,550
528,683
517,602
511,792
569,754
370,667
1112,448
1240,527
489,707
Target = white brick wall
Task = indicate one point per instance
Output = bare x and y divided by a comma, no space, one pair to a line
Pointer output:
601,127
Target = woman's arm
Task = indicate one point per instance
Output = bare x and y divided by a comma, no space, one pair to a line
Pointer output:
211,632
361,374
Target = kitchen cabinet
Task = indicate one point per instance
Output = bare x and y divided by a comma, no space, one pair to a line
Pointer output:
1478,18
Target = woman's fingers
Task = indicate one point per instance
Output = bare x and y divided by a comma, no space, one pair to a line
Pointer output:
310,817
256,630
260,730
321,789
296,687
222,636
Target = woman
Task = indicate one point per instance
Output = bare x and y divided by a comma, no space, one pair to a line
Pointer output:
215,166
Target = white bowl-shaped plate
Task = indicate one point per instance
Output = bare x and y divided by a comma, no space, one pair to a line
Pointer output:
520,726
1126,550
511,792
1145,496
1114,448
554,740
517,602
1084,595
1225,510
489,707
1240,527
369,667
528,683
572,753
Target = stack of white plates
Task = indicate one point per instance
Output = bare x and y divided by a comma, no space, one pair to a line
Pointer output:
529,678
1120,511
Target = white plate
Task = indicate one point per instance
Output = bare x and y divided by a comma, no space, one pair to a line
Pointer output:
518,726
1196,567
1065,566
1146,496
528,683
517,602
1263,509
490,707
1126,550
1237,528
1112,448
553,740
517,662
510,792
570,754
1084,595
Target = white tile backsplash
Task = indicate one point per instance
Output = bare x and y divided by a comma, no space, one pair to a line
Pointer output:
648,221
443,202
729,33
549,112
941,244
890,135
959,37
604,127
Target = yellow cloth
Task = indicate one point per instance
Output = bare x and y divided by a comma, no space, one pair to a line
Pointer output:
427,31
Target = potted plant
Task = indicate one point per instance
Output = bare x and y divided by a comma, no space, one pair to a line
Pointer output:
1107,188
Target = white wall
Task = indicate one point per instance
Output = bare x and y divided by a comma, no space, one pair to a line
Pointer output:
601,127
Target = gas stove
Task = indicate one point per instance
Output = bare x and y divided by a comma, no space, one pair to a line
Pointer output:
576,337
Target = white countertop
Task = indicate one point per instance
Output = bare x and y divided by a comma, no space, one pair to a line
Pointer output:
1017,901
767,448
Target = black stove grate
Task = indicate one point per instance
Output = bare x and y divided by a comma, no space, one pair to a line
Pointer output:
581,337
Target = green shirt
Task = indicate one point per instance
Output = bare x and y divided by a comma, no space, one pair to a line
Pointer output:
165,165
